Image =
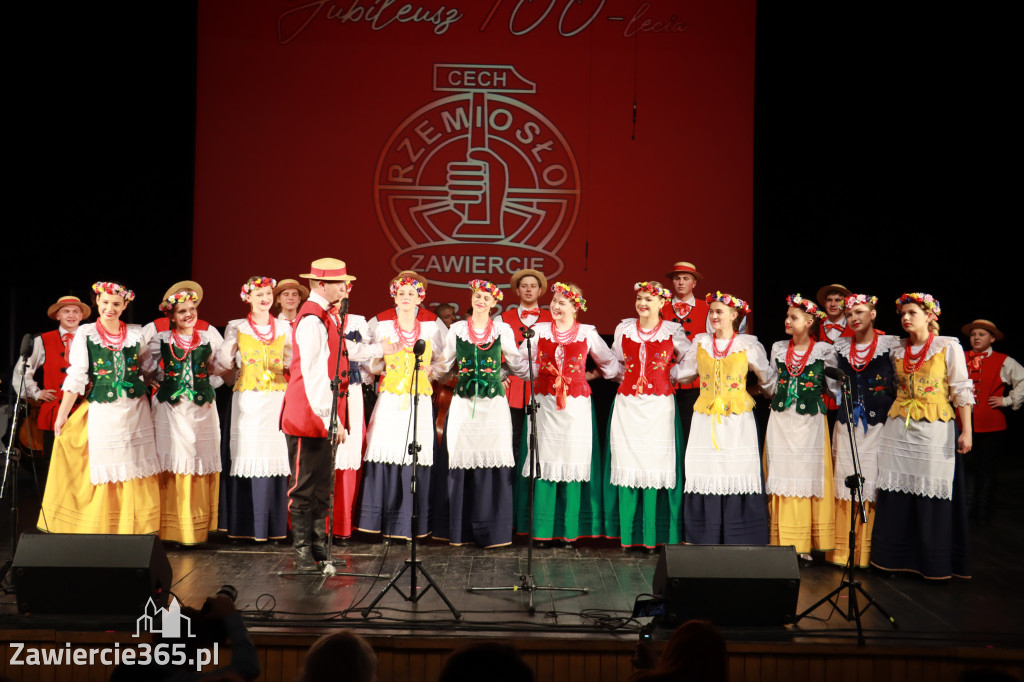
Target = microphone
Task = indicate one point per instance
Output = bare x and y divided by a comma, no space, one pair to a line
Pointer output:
835,373
344,307
26,346
527,332
420,348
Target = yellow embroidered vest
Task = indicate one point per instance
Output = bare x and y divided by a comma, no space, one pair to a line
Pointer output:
723,384
923,395
397,374
262,367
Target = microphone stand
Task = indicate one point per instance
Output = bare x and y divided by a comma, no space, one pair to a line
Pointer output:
849,583
11,461
412,562
526,580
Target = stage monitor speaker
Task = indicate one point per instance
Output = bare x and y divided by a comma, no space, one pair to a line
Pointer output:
90,574
728,584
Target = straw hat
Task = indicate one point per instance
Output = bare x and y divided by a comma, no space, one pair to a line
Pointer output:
828,289
51,312
982,324
682,267
328,270
286,284
184,285
529,272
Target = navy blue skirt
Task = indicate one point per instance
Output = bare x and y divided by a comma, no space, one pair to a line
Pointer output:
386,505
725,519
256,508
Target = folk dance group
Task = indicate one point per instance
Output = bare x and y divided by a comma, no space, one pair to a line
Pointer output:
141,453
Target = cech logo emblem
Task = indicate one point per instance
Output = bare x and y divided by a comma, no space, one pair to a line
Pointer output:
477,184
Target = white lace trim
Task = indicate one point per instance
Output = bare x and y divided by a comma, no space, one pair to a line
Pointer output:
628,327
723,485
939,343
634,478
543,330
486,459
818,352
461,330
387,328
886,343
280,326
396,456
196,467
260,467
117,473
922,486
133,334
795,488
561,472
742,343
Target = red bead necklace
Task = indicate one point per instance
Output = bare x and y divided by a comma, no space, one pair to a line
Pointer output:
111,341
913,361
408,339
650,334
859,360
188,345
793,366
267,338
721,354
479,338
562,338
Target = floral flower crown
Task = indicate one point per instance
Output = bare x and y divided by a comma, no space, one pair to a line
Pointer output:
408,281
569,294
653,288
489,287
926,301
728,299
114,289
808,306
255,284
858,299
180,297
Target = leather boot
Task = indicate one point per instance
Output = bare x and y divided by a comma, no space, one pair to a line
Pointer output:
320,538
301,533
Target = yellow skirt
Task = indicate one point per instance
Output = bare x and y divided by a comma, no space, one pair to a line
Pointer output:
188,506
806,522
862,551
72,504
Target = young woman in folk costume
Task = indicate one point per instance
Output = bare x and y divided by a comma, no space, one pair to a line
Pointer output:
288,297
348,459
255,500
921,520
569,488
186,421
476,506
723,501
386,504
104,472
645,434
865,359
798,454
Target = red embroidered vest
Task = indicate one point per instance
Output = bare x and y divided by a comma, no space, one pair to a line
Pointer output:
297,417
647,370
694,322
518,393
570,379
55,368
986,385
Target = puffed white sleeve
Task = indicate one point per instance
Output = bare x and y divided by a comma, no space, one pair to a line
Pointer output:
439,339
513,358
523,371
1013,374
224,357
617,351
77,377
961,388
445,356
607,365
680,342
216,341
759,364
685,370
32,364
365,349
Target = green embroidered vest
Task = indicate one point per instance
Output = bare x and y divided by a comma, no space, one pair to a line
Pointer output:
479,370
188,378
114,373
803,392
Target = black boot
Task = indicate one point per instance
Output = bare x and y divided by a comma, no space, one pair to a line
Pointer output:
301,533
320,539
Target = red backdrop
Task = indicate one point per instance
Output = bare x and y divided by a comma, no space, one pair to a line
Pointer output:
598,141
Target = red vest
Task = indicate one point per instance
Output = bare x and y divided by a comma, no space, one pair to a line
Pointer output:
572,380
986,385
657,363
695,322
163,324
55,368
297,417
518,393
422,314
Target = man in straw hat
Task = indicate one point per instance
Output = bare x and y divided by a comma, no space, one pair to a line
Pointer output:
305,417
832,299
49,351
991,373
